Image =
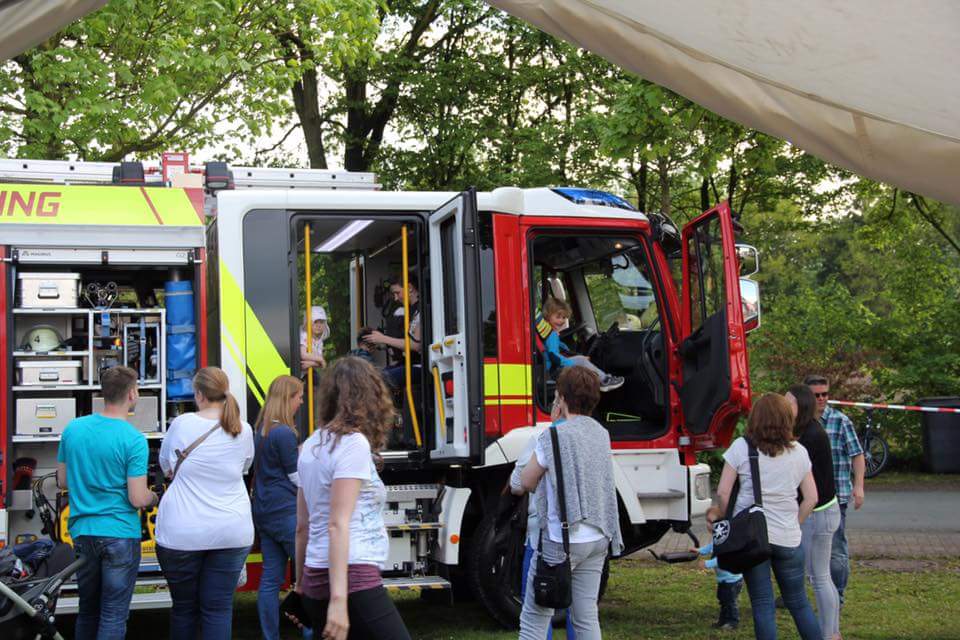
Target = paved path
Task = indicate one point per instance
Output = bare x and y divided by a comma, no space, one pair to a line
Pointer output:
908,511
893,523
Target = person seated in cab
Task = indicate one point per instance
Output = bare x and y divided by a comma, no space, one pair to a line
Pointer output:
553,319
395,375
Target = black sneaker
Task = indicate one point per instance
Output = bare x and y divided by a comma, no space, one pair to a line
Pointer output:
609,383
725,625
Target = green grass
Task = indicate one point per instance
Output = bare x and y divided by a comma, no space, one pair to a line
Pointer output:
647,600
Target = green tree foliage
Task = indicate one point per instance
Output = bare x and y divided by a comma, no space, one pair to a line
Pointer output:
141,76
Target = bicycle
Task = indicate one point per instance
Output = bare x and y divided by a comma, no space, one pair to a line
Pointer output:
876,451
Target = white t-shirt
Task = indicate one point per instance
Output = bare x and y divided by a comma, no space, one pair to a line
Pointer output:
779,479
319,465
316,348
207,505
533,522
579,531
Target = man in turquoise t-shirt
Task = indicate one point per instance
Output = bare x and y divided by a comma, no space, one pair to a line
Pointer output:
102,462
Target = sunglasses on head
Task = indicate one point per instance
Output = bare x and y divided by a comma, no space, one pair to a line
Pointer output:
823,394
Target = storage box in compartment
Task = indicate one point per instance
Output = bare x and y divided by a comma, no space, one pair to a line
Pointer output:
49,372
44,416
48,290
145,416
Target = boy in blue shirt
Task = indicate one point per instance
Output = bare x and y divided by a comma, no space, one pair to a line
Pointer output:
729,584
102,462
554,319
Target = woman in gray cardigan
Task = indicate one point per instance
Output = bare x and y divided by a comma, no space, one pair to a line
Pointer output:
591,501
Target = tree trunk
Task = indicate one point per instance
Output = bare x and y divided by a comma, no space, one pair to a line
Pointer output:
732,182
307,104
358,126
642,185
663,174
704,194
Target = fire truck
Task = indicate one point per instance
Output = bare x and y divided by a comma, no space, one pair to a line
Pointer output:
180,267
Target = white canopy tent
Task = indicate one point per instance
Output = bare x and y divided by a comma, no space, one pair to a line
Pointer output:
870,86
27,23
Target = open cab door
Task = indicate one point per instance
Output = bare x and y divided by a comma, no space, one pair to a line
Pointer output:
456,353
716,383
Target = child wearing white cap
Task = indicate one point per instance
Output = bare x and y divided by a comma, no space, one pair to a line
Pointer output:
319,331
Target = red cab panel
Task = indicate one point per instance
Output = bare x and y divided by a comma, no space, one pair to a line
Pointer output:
716,386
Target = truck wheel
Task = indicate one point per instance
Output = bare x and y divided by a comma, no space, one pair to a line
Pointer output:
504,605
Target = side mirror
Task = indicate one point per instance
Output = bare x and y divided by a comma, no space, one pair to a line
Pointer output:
748,260
750,301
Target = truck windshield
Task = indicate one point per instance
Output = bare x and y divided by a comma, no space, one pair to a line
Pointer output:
621,293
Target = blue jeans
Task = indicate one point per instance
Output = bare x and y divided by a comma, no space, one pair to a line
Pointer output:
277,547
201,588
840,555
527,558
105,585
788,567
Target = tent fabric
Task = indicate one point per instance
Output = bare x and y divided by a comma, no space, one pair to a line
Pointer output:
27,23
873,87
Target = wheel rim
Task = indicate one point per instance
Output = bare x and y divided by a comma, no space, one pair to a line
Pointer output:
875,455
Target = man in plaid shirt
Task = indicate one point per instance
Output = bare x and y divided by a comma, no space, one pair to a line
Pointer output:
847,459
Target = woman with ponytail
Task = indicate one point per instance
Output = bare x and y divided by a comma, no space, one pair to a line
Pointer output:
204,524
275,494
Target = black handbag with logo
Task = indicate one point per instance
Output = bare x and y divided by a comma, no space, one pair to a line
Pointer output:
553,584
740,541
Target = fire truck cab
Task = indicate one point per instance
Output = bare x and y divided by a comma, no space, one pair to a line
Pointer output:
659,306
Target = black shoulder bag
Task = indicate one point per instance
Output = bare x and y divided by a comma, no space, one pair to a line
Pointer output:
740,542
553,584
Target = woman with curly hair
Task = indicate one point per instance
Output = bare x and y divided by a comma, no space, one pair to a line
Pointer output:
341,541
784,468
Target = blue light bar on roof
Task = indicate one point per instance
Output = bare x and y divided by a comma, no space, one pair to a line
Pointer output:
593,197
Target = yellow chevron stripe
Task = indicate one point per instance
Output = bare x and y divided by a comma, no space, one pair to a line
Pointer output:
239,320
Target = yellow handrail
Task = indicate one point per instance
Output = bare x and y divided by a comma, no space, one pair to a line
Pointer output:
406,337
309,325
440,399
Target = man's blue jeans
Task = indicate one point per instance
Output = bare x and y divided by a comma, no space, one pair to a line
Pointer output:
277,547
105,585
788,567
202,584
840,555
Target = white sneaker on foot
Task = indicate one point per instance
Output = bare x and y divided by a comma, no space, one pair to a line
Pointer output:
609,383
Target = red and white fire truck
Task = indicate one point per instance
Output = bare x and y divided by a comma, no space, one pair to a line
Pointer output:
256,248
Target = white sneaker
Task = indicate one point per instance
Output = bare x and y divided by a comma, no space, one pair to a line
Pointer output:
609,383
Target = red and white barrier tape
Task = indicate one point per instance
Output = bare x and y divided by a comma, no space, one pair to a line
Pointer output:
900,407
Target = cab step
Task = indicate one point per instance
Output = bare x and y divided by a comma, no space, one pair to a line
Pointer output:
153,600
418,583
160,581
412,492
415,526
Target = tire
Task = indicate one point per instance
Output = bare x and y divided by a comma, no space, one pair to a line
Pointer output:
876,454
503,605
